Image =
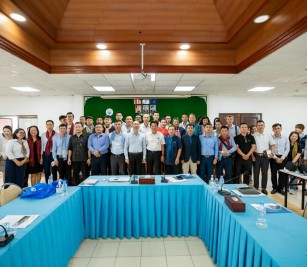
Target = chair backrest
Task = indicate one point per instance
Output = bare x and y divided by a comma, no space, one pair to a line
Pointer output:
9,192
305,211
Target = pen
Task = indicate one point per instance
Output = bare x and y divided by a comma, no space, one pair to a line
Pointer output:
24,218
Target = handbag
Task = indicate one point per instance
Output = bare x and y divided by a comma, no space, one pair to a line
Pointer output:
9,192
39,190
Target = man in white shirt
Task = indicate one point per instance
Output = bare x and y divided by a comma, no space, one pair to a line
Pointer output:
155,149
145,126
265,149
127,127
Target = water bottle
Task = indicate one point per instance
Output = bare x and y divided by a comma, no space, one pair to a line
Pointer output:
211,182
216,185
221,182
50,179
64,188
261,220
58,188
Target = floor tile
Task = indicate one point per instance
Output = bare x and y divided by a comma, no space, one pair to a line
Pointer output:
179,261
129,249
98,262
110,240
86,248
173,248
202,260
78,262
152,239
197,247
132,239
153,249
128,262
191,238
153,262
106,249
174,238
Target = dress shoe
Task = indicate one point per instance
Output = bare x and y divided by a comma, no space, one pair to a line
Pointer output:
264,191
274,191
282,192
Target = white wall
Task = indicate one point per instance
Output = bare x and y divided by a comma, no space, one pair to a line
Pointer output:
45,107
286,110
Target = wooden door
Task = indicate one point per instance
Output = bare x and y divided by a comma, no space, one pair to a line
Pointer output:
249,118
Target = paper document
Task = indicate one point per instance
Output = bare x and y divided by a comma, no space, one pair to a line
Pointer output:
90,182
119,179
18,221
172,179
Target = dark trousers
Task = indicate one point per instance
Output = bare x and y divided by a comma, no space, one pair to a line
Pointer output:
173,169
262,163
117,164
153,159
224,164
47,166
135,163
277,183
13,173
206,168
99,165
108,163
64,169
78,166
243,166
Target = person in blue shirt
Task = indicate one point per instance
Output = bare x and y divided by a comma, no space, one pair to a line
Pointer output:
60,153
173,148
209,153
98,144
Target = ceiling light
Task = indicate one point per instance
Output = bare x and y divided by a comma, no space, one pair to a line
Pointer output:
260,89
3,18
184,46
25,89
104,88
184,88
261,19
17,17
101,46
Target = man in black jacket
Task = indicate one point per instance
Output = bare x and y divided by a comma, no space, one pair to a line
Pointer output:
191,150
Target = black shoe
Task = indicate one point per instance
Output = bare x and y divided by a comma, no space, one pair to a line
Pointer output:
264,191
282,192
274,191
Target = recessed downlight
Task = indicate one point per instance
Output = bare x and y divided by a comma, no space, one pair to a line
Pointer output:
25,89
101,46
185,46
17,17
261,19
260,89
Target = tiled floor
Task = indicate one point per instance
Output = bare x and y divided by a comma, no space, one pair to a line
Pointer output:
143,252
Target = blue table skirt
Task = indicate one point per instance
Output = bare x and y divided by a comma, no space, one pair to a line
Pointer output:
124,210
233,239
52,239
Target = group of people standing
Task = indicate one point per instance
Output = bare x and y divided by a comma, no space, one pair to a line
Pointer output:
74,150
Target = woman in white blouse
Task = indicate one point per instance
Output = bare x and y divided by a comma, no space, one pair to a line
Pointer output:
17,151
6,136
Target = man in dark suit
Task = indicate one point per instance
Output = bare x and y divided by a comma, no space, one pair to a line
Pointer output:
191,150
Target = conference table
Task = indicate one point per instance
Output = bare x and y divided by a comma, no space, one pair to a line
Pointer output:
233,239
50,240
297,175
119,209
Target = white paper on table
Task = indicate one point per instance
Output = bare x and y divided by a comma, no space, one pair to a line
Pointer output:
18,221
174,180
89,182
238,193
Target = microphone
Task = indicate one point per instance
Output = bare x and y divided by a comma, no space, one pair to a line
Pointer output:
133,181
226,192
7,238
